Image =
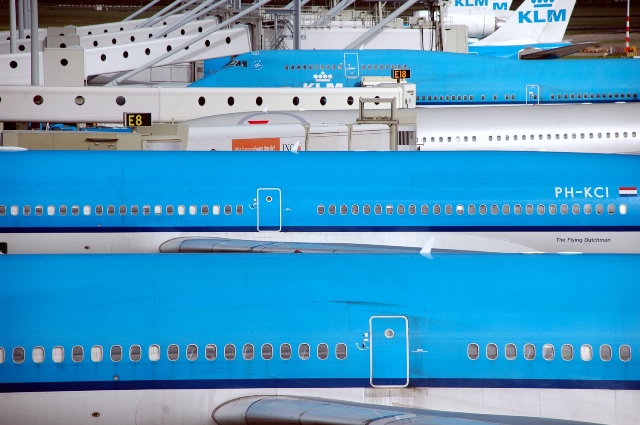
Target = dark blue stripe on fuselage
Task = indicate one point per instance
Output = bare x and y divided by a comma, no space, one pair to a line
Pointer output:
317,229
311,383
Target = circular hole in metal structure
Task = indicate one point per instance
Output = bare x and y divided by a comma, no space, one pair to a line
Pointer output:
389,333
182,32
147,51
13,64
79,100
95,43
103,57
201,101
132,39
231,101
377,103
38,100
259,101
268,199
95,414
64,62
120,100
106,31
323,100
350,100
199,29
125,54
228,40
113,41
21,47
207,43
63,46
296,101
168,48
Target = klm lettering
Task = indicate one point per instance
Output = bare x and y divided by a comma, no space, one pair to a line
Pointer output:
472,3
583,192
318,85
537,16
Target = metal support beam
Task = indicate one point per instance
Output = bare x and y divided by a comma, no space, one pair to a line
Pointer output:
159,15
296,25
373,31
194,14
293,4
333,12
234,18
12,26
21,19
35,45
142,9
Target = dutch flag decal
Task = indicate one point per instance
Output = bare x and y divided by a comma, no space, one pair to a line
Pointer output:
628,191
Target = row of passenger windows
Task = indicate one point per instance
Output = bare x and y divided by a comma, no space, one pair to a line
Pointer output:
531,137
518,209
339,66
548,352
116,352
534,98
122,210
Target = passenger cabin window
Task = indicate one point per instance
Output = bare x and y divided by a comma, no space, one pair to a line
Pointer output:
332,209
2,355
320,209
135,353
248,351
210,352
341,351
215,210
229,351
492,351
285,351
323,351
605,352
227,209
366,209
116,353
173,352
18,355
192,352
304,351
624,353
548,352
37,355
204,209
154,352
529,351
473,351
57,354
267,351
354,209
586,352
77,353
567,352
96,354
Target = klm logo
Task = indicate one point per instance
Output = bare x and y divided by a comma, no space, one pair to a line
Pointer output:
474,3
538,16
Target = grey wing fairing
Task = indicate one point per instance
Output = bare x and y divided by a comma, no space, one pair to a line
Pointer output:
221,245
285,410
558,52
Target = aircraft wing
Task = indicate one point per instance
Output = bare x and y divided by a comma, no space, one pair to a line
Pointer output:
554,53
221,245
285,410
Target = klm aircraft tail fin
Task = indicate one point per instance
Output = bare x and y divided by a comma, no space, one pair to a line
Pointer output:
535,21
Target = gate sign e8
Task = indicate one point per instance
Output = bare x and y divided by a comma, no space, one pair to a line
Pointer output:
137,119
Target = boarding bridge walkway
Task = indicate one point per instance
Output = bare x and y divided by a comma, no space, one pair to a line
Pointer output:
67,66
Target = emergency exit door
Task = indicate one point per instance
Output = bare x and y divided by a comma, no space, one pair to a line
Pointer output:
389,351
269,206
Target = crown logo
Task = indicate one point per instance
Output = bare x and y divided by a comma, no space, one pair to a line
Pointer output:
322,77
256,65
542,3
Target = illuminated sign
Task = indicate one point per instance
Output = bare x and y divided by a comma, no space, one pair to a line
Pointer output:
136,120
400,74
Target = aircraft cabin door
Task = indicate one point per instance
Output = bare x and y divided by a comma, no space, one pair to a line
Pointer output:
269,209
533,94
351,65
389,351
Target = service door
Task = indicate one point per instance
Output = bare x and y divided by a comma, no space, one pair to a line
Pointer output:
389,351
533,94
269,205
351,67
